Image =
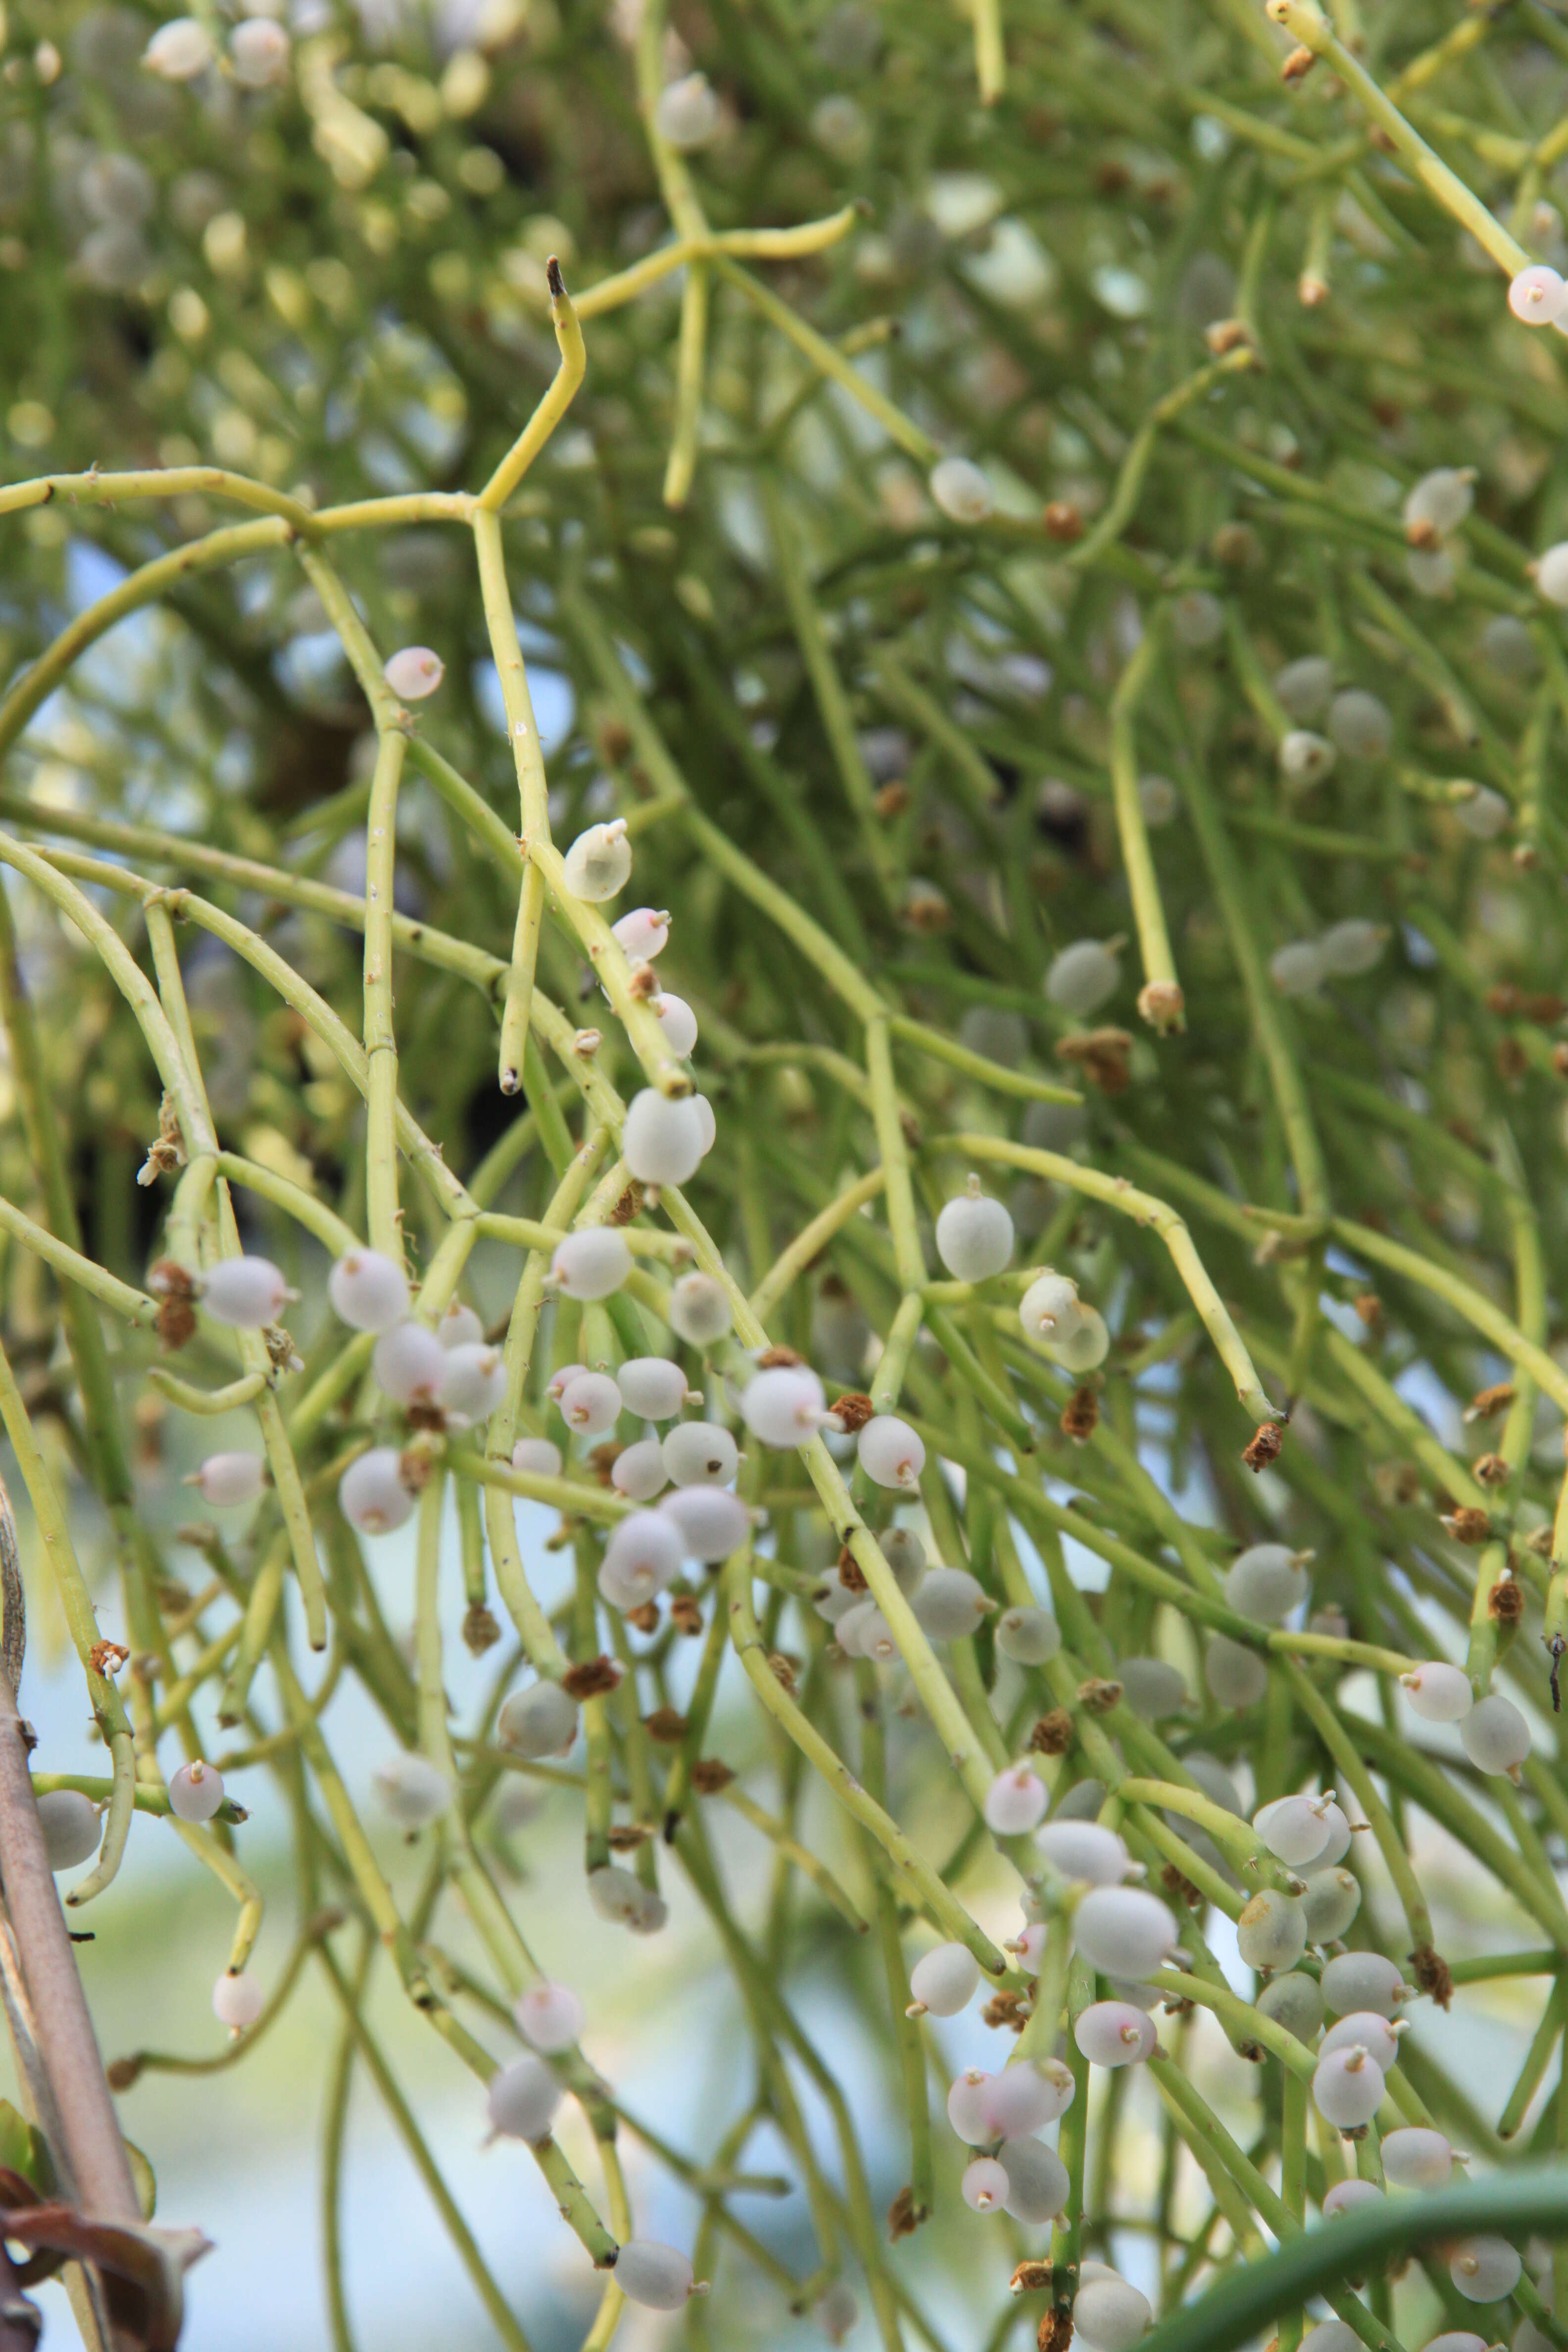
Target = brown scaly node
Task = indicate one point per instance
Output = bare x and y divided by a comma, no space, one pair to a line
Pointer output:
1430,1971
629,1205
170,1283
904,2216
1052,1735
1097,1696
1468,1524
593,1679
480,1632
1268,1444
853,1410
1081,1417
1103,1056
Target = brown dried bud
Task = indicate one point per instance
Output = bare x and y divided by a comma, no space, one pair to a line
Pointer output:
1468,1524
1102,1054
629,1206
1229,335
783,1669
891,801
106,1658
686,1612
772,1358
592,1679
1267,1442
1162,1006
665,1724
413,1467
1369,1307
123,2072
281,1353
925,907
1560,1060
849,1571
1397,1483
1511,1061
1055,2333
1430,1971
1506,1601
1031,2277
1052,1735
904,2216
1081,1418
176,1323
627,1837
1182,1889
1063,522
602,1460
709,1774
644,982
1006,2008
644,1618
1491,1470
853,1410
1235,545
1097,1696
1422,533
480,1632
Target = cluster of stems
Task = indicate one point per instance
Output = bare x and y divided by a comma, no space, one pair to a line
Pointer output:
884,762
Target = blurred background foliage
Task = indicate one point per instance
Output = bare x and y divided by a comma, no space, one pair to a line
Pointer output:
336,286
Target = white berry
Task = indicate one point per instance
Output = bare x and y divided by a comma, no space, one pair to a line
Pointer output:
244,1292
664,1138
549,2016
522,2099
659,2278
889,1451
599,861
414,672
226,1480
536,1457
371,1494
411,1790
1083,977
591,1264
944,1980
538,1722
72,1827
237,2001
973,1235
368,1290
698,1309
783,1405
711,1522
1114,2033
700,1454
196,1792
960,490
642,934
